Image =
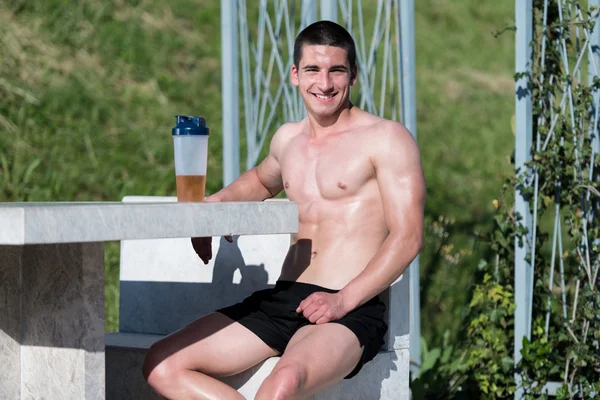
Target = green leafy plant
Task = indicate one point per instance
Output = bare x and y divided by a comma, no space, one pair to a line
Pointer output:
561,185
564,344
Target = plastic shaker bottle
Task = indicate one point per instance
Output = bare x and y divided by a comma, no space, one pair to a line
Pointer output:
190,141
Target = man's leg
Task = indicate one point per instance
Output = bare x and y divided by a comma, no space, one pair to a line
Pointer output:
183,364
317,357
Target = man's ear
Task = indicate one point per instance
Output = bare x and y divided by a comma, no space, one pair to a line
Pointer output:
294,76
353,75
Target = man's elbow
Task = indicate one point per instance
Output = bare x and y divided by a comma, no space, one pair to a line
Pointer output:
416,245
411,245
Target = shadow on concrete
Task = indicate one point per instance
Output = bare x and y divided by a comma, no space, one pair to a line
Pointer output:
163,307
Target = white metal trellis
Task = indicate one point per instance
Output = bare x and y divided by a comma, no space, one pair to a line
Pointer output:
587,43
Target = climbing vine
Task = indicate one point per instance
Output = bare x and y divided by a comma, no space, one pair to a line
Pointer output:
561,183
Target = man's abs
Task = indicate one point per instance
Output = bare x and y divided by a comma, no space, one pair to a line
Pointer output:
333,248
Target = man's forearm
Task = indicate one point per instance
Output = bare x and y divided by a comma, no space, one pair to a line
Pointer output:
392,259
246,188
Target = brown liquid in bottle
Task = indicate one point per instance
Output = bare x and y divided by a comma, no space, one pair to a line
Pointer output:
191,188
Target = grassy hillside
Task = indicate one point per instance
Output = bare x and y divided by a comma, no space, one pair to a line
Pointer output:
465,92
88,91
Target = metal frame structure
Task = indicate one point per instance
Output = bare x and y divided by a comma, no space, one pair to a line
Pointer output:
261,61
525,252
230,97
523,135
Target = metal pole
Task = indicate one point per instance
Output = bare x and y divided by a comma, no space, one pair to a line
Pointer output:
523,134
406,9
229,90
309,12
329,10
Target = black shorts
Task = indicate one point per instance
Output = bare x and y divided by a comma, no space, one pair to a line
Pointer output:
271,315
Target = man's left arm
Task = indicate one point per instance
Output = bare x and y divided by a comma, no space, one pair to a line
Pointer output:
401,183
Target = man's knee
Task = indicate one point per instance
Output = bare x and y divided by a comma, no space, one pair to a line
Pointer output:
285,381
158,369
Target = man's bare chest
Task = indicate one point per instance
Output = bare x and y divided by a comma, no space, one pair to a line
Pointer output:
325,172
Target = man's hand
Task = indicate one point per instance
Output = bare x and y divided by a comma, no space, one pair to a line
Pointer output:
320,307
203,245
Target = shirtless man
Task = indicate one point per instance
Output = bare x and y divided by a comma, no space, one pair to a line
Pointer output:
359,186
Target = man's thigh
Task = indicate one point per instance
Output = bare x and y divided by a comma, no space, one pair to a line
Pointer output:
214,345
324,353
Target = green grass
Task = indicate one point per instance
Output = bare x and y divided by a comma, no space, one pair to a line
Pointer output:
464,109
88,91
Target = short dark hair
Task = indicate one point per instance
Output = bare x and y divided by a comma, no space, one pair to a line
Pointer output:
325,33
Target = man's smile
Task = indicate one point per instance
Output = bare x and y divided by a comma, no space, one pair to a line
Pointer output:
324,97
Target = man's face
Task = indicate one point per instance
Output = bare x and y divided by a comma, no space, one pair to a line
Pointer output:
324,78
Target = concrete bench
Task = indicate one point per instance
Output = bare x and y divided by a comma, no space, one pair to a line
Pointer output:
164,286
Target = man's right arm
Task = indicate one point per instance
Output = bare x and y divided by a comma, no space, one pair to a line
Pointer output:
261,182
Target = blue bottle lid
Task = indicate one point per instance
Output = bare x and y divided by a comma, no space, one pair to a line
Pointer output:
189,125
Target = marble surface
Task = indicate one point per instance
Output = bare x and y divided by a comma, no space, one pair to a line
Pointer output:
60,340
386,377
10,322
164,285
34,223
124,380
397,299
174,260
126,340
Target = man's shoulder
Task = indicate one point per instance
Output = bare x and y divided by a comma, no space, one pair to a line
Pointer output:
289,129
384,130
379,125
386,139
284,134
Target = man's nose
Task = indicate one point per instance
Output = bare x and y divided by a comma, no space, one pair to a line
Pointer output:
325,83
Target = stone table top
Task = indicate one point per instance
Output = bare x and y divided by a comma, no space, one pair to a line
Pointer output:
76,222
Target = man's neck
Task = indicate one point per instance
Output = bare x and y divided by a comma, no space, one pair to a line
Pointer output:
321,127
